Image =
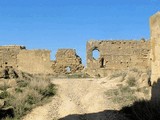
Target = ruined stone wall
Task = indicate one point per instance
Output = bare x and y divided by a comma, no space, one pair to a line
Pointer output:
8,55
155,46
67,61
38,61
34,61
118,55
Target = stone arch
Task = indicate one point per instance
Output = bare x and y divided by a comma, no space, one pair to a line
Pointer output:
95,53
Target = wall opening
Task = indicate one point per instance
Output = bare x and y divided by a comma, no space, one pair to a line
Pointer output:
102,62
95,54
68,69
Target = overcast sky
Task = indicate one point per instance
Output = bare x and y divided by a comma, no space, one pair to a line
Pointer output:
53,24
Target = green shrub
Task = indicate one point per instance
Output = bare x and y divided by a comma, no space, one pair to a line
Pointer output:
18,90
22,83
49,91
4,95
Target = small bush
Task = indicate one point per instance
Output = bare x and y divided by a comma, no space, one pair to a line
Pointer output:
4,94
18,90
131,81
118,74
122,95
22,83
78,75
49,91
134,70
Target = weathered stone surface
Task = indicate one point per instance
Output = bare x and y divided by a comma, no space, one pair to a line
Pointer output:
34,61
67,61
37,61
8,73
118,55
8,55
155,46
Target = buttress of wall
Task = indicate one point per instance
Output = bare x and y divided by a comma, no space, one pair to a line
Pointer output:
119,54
67,58
8,55
34,61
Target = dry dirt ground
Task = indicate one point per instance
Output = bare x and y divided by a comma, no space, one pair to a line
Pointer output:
75,96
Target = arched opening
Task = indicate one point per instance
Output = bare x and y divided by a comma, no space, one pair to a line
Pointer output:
68,69
95,54
102,62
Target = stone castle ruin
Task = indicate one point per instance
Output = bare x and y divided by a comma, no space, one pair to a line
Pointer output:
67,61
113,55
117,55
38,61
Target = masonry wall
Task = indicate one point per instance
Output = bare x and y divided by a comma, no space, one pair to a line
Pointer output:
155,49
67,61
38,61
8,55
34,61
117,55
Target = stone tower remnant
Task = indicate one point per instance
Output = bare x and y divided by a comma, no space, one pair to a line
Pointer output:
155,46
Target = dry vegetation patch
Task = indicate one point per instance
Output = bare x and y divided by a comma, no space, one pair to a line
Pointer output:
129,89
29,92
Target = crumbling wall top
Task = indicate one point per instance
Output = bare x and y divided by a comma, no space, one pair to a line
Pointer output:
12,47
63,53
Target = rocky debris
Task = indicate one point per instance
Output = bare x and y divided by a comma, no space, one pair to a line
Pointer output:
3,73
5,111
8,73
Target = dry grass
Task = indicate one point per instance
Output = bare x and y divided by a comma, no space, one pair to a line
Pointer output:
28,94
122,96
118,74
131,81
127,93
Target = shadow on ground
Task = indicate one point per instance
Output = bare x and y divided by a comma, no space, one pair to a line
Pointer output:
139,110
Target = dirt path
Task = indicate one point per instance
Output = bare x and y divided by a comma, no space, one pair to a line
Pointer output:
75,96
